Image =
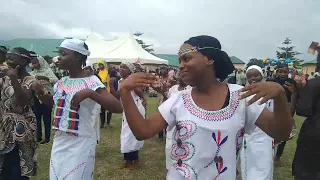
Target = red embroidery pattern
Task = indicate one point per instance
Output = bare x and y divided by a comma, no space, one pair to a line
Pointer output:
74,169
239,139
220,115
187,171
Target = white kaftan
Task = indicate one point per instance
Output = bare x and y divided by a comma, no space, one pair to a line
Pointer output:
128,141
205,143
76,136
169,162
257,154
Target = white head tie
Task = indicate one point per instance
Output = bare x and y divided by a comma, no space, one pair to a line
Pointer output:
75,45
256,68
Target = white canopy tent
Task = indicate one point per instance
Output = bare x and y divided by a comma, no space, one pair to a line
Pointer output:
123,49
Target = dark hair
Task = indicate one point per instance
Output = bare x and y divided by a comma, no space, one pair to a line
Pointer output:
211,48
282,65
24,52
83,58
113,73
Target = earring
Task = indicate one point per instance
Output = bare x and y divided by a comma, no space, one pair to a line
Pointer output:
211,62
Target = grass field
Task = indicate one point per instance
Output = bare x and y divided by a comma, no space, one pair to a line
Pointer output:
109,158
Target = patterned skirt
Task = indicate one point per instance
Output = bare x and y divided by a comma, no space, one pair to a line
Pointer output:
19,130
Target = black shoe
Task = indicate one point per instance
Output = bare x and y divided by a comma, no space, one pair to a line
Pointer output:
39,139
45,142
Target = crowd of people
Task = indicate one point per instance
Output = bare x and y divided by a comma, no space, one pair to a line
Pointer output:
208,124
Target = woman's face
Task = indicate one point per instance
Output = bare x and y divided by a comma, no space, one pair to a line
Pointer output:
35,63
67,59
164,71
89,70
193,66
124,71
253,76
13,60
101,66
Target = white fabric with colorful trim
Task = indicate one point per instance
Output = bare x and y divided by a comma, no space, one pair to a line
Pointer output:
77,130
128,141
257,154
72,158
205,143
77,121
169,162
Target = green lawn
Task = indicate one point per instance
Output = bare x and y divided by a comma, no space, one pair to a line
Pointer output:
109,158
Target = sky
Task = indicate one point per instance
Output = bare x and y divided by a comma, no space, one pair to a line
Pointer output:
246,29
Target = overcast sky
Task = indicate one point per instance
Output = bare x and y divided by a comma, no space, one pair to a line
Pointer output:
246,29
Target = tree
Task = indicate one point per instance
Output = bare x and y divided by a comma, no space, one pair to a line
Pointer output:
147,47
255,61
288,52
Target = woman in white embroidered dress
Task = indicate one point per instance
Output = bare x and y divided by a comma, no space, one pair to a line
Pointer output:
130,146
77,99
210,117
257,154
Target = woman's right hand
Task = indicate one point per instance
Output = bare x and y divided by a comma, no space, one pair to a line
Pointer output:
137,80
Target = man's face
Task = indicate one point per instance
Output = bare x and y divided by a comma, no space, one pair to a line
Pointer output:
283,73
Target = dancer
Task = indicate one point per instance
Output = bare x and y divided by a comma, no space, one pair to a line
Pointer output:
130,146
290,87
77,101
105,78
305,164
257,154
18,123
211,116
172,91
162,88
44,74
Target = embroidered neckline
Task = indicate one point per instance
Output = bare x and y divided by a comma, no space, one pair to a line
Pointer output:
219,115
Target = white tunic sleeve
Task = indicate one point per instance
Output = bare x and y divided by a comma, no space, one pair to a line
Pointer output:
95,83
269,105
168,109
252,114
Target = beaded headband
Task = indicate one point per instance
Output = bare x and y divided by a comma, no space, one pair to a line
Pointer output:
193,49
22,55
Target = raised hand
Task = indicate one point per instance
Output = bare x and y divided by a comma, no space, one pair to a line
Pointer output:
137,80
264,90
12,73
290,87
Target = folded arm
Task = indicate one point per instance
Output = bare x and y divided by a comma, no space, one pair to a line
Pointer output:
106,100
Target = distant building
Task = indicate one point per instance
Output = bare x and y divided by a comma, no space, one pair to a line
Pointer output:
309,66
